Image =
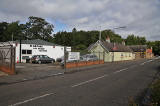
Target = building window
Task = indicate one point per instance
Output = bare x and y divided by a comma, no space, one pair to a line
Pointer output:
29,51
24,52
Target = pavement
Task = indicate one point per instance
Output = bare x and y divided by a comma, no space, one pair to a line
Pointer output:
27,72
111,84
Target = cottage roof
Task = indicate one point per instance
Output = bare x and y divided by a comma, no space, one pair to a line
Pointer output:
112,47
138,48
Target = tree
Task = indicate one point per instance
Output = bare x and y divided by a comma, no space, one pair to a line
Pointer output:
135,40
38,28
14,30
7,30
3,28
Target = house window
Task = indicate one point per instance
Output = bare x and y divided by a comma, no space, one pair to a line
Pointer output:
24,52
29,51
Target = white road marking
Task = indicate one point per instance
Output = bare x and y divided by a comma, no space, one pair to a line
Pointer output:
20,66
121,70
35,98
146,62
56,74
85,82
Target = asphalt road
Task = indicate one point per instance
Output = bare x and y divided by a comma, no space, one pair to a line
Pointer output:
111,85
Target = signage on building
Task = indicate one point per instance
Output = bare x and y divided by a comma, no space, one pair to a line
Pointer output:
73,55
39,47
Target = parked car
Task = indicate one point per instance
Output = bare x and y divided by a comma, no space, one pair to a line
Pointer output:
42,59
25,59
89,57
60,59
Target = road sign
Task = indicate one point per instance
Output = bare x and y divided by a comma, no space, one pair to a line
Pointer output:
73,55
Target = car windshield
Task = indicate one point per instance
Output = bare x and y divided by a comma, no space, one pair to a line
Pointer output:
45,56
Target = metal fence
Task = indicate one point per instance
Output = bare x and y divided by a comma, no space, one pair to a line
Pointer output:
7,59
81,59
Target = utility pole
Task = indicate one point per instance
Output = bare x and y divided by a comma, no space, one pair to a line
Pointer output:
12,37
65,58
100,34
20,50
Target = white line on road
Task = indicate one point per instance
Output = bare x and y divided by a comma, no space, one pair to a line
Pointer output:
121,70
38,97
146,62
85,82
82,83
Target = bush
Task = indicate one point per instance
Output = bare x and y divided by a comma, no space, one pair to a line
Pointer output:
155,94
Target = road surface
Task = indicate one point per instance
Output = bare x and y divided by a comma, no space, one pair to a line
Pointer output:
111,85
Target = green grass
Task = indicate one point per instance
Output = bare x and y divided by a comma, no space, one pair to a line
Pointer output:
155,93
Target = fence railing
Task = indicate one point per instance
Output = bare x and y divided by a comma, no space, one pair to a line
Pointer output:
84,59
7,59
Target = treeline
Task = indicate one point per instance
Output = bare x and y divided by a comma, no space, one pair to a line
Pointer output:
39,28
34,28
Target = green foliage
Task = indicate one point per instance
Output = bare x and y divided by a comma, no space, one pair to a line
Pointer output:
113,37
80,40
156,47
135,40
7,30
38,28
155,94
3,28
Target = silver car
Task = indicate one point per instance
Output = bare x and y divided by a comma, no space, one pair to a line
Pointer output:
89,57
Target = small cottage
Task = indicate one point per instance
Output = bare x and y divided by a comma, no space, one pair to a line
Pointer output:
111,51
141,51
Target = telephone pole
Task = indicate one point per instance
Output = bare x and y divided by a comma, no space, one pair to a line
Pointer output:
100,34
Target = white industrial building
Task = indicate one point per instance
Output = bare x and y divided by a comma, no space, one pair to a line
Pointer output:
36,47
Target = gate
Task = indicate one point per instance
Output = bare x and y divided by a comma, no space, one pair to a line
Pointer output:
7,59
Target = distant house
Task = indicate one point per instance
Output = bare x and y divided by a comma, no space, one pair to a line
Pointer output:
141,51
111,51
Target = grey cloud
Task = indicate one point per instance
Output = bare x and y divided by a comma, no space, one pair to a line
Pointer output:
140,16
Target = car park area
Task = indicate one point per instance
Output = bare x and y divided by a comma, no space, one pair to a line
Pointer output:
37,69
29,71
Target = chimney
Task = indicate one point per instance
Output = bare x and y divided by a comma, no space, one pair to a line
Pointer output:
108,39
123,43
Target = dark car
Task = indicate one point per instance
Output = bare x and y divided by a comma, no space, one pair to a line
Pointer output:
41,59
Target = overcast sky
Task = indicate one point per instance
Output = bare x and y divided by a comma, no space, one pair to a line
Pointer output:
142,17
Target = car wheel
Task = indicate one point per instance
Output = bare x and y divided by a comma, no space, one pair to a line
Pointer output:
52,61
39,62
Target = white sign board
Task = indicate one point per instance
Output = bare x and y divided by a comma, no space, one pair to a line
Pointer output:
73,56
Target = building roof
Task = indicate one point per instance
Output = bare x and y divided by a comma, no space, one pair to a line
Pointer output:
112,47
37,42
138,48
